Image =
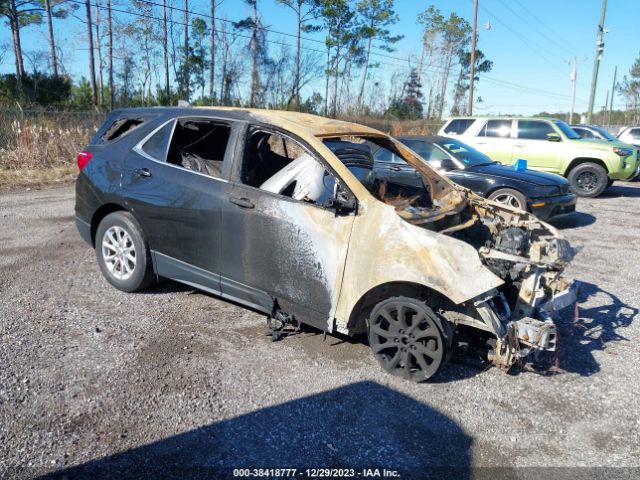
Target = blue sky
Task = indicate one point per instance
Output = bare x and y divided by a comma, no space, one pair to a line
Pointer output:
530,43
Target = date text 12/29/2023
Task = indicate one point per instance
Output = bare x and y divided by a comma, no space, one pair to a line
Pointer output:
316,472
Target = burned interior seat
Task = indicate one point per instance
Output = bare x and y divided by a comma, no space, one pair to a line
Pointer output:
199,145
357,158
301,179
262,162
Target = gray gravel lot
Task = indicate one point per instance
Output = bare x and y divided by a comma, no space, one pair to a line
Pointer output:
174,382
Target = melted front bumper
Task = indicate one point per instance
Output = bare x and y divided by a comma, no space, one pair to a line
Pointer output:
521,335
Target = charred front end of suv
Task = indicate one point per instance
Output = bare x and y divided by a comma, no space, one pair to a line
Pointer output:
527,254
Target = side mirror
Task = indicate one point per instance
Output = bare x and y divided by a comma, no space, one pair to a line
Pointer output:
445,165
342,202
553,137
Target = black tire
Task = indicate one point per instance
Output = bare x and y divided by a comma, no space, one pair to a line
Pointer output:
609,183
517,199
131,268
588,179
408,339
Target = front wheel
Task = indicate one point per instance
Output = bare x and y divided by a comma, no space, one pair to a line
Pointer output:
510,197
122,252
408,339
588,179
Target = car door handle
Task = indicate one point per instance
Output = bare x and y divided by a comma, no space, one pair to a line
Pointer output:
143,172
519,145
395,168
242,202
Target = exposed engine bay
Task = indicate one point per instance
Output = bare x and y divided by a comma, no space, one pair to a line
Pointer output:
527,254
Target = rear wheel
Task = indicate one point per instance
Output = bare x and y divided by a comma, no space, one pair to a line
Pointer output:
122,252
588,179
408,339
510,197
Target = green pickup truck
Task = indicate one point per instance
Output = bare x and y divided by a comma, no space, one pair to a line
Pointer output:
549,145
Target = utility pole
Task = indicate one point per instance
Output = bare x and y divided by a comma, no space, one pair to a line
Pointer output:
596,60
472,73
574,79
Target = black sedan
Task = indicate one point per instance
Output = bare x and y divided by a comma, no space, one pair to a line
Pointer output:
543,194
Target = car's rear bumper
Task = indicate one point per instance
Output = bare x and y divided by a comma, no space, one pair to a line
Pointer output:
544,208
85,230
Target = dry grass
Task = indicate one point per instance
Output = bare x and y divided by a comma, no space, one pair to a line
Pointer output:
29,144
37,177
398,127
40,150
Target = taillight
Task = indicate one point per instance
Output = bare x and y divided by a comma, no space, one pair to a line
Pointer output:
83,158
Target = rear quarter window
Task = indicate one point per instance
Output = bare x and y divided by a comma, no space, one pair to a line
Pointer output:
120,127
158,144
458,126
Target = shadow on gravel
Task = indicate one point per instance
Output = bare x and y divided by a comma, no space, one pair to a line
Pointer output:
361,426
573,220
622,191
600,316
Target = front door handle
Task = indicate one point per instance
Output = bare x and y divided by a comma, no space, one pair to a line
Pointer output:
242,202
519,145
395,168
143,172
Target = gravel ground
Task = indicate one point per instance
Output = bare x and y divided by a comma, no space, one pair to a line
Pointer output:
173,382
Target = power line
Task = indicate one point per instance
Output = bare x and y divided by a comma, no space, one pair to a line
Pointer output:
515,86
524,40
535,29
286,34
553,32
405,61
236,34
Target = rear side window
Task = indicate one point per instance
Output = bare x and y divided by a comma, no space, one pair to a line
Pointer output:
199,145
121,127
496,128
157,146
534,130
458,126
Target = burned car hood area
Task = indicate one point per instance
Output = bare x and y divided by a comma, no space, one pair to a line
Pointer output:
524,257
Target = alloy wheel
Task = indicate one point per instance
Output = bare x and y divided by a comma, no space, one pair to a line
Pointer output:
118,252
406,341
587,181
508,199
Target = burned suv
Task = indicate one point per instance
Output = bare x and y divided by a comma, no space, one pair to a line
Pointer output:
282,212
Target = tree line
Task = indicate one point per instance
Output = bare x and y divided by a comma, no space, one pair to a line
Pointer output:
337,59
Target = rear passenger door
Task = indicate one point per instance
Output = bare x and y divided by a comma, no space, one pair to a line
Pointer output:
495,139
174,182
